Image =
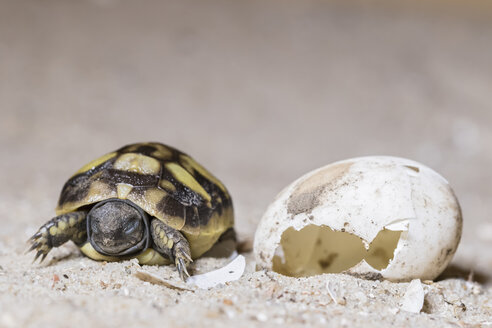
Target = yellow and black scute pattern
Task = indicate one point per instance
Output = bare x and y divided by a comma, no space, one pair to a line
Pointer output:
164,182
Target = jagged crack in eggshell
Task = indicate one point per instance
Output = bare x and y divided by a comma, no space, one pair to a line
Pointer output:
364,197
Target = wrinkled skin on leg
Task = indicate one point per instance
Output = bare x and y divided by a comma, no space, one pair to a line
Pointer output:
57,231
171,244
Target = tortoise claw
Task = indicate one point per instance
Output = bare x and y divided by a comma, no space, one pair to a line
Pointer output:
187,256
33,247
181,266
38,254
40,242
35,236
182,258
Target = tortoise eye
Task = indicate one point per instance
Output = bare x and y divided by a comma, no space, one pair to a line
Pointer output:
132,226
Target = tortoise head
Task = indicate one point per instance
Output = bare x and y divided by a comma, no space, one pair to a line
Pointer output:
118,227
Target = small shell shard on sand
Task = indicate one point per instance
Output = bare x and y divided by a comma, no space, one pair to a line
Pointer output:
156,280
334,292
413,300
231,272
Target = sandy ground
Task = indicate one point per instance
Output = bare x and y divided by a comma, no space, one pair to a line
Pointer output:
259,92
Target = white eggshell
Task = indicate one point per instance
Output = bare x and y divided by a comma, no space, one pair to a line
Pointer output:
362,197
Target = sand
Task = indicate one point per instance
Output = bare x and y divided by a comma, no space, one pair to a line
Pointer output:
259,92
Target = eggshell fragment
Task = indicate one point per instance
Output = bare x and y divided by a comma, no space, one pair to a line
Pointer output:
413,300
231,272
375,217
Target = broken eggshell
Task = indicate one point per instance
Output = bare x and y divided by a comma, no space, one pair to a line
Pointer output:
374,217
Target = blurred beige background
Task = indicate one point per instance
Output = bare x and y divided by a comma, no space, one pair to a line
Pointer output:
260,92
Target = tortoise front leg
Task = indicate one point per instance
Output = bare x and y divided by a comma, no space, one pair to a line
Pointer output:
172,244
57,231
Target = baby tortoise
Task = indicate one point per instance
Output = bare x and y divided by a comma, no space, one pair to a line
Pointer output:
147,201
